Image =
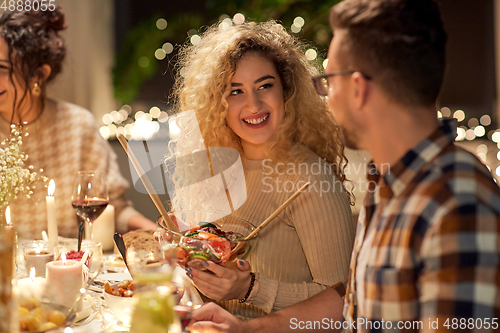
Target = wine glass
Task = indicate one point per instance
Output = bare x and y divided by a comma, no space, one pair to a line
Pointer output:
89,198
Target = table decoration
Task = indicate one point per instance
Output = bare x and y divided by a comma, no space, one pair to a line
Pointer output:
8,313
104,228
51,215
36,255
16,180
32,286
64,281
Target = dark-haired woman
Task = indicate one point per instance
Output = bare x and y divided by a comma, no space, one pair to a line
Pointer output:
63,138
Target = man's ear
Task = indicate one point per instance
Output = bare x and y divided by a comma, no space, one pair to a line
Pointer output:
361,89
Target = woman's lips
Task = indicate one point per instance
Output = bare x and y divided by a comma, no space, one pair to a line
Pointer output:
257,119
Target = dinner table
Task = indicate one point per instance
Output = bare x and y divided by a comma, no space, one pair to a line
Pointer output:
95,315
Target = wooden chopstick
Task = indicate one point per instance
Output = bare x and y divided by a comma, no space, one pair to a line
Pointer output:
269,219
147,184
277,211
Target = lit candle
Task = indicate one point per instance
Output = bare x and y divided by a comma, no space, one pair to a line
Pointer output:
64,280
104,228
31,287
37,254
10,235
51,215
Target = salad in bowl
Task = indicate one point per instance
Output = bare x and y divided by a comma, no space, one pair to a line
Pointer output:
221,241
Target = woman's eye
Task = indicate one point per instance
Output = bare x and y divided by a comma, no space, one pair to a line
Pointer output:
236,92
266,86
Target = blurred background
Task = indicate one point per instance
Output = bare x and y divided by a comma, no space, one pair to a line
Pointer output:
121,63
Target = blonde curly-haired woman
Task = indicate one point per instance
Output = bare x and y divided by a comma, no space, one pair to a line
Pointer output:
250,86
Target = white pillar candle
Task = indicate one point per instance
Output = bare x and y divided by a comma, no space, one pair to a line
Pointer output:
104,228
64,281
31,287
51,215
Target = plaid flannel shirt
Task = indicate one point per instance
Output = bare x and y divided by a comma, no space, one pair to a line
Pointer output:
434,262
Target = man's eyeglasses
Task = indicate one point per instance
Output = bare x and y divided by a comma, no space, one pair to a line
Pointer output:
321,82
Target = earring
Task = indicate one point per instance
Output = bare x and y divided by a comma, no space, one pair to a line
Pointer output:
36,91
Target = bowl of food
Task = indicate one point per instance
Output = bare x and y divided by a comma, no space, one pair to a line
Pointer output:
119,298
37,316
221,241
121,301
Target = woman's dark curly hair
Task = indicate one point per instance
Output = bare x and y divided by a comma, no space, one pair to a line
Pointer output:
33,40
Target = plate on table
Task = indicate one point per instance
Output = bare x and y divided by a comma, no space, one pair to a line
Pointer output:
113,277
85,312
114,263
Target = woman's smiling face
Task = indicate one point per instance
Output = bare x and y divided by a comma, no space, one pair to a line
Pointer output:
255,105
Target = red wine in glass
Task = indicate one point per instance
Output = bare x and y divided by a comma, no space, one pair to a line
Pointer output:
89,197
89,209
184,313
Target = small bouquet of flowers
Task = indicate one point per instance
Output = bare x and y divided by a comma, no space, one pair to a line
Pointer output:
15,178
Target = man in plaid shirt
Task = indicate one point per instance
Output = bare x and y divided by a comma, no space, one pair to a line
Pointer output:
427,251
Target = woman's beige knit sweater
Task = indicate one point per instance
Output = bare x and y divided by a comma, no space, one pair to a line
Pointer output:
307,247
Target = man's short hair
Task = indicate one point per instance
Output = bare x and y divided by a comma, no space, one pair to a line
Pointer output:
399,43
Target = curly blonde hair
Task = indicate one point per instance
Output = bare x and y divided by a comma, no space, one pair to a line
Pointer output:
203,84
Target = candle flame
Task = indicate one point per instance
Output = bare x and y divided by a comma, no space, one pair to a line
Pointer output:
52,188
7,216
63,258
32,273
37,251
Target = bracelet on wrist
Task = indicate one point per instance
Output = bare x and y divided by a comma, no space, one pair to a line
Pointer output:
252,282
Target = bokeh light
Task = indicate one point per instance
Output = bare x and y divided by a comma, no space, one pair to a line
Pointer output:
482,148
460,134
446,112
143,62
168,48
160,54
325,63
161,24
459,115
238,18
299,22
469,135
195,39
112,130
104,131
485,120
124,114
163,117
138,115
473,122
106,119
479,131
155,112
295,29
311,54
